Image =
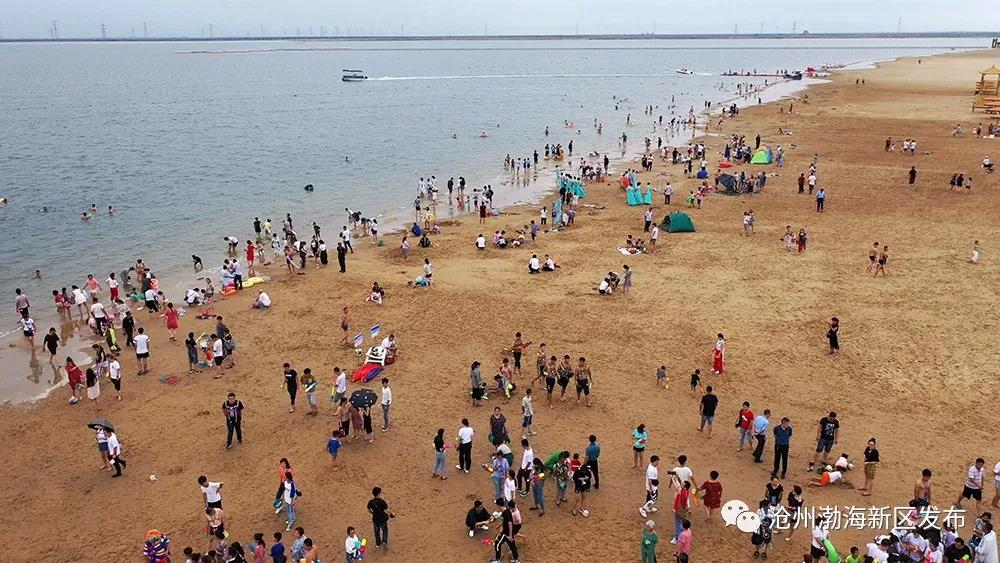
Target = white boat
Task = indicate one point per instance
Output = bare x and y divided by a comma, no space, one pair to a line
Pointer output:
352,75
683,71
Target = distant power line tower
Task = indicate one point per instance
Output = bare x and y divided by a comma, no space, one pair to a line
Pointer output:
104,32
899,25
794,25
55,29
145,31
211,31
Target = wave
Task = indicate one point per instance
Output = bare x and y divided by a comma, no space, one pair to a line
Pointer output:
561,75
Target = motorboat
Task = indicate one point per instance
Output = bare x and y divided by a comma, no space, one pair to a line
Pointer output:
353,75
683,71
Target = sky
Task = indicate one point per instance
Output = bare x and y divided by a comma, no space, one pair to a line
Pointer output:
197,18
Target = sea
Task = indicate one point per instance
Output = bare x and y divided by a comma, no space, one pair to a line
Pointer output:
190,141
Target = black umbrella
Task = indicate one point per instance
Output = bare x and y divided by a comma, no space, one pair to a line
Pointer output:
363,398
101,423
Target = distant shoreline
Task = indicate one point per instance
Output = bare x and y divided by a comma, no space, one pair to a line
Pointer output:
590,37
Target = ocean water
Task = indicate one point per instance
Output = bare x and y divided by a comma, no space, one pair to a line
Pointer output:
190,141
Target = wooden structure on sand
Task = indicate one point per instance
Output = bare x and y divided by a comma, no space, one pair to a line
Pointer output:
987,94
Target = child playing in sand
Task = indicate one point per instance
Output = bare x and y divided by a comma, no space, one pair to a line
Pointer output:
977,252
661,375
829,477
789,239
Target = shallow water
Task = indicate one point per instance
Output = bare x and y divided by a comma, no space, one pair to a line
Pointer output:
189,144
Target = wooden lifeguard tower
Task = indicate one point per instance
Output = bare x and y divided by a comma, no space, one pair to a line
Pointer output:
987,94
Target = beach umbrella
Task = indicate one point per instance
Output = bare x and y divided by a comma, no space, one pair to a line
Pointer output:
363,398
101,423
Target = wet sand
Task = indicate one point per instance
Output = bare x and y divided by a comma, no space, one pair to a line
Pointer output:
913,373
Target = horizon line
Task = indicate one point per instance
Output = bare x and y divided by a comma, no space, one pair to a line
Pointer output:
521,37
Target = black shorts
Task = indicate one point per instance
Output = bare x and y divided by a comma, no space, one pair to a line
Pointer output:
969,492
550,384
477,393
816,552
117,383
584,489
639,451
563,382
142,355
218,360
216,504
583,386
517,360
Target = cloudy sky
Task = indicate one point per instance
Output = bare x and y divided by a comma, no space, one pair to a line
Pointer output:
83,18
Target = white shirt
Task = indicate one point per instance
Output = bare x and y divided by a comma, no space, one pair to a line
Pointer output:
190,296
996,472
481,242
386,343
651,473
112,282
987,550
342,382
527,407
812,180
465,434
150,295
80,298
656,233
264,299
212,492
550,264
975,479
113,443
114,370
818,536
509,486
386,396
682,474
142,344
350,543
875,551
346,235
217,350
533,263
835,476
527,458
97,310
604,285
427,269
288,493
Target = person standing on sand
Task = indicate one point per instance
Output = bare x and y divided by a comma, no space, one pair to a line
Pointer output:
833,335
342,257
719,355
386,402
912,174
820,200
872,460
345,323
782,440
440,456
827,434
233,409
142,351
709,402
883,258
872,257
379,509
584,380
648,545
291,384
464,441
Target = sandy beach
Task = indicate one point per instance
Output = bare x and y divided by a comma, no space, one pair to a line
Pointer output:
914,372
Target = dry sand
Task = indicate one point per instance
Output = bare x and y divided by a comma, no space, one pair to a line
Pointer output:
916,368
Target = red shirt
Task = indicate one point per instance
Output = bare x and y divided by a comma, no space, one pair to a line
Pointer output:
746,419
250,251
681,500
713,493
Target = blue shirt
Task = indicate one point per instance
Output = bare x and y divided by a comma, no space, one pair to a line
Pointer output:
593,451
500,468
760,424
333,446
782,435
277,552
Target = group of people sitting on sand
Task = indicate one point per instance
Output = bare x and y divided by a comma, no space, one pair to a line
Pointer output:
535,266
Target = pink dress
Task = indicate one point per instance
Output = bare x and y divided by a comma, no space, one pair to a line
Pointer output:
172,319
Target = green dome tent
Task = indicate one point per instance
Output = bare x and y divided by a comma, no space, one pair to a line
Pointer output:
677,222
762,156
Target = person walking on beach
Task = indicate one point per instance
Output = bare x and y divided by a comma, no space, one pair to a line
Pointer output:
820,200
379,509
291,384
639,439
232,408
142,351
827,433
709,402
464,441
386,402
912,174
115,453
712,498
719,355
761,424
883,258
833,335
291,498
584,380
342,257
744,423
